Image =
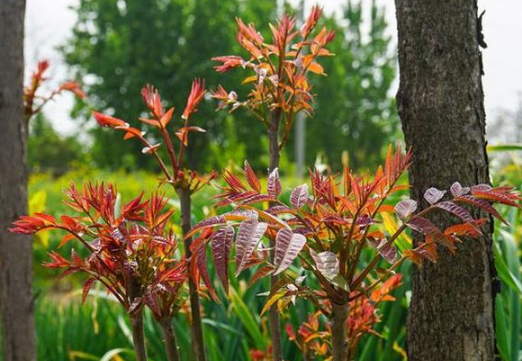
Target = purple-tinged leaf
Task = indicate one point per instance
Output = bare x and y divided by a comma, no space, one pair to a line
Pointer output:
364,221
260,273
327,264
288,245
456,210
251,178
481,188
299,196
457,190
221,243
136,305
387,251
433,195
274,184
278,210
426,227
405,208
212,221
482,204
201,261
250,232
86,288
257,198
305,231
246,213
150,301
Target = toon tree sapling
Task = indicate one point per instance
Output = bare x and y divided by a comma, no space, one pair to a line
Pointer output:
326,231
131,252
184,181
280,89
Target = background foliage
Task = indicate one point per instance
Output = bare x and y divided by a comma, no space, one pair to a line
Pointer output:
118,46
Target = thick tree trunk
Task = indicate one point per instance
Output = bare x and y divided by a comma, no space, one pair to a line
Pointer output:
16,299
196,328
440,103
273,153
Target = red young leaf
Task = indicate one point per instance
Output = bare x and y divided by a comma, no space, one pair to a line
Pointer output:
482,204
387,251
327,263
250,232
221,243
456,210
86,288
274,184
288,245
405,208
251,178
260,273
457,190
201,260
433,195
299,196
108,121
426,227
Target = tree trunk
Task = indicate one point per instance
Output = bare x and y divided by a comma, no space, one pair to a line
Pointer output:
170,342
441,105
273,153
196,328
16,299
340,347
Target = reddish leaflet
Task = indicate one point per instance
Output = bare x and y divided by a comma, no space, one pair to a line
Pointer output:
34,102
185,181
131,252
278,70
326,232
280,89
313,338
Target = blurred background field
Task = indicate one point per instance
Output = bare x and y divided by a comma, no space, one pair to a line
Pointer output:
115,48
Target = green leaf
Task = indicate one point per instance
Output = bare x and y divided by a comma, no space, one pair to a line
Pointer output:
504,147
247,318
504,273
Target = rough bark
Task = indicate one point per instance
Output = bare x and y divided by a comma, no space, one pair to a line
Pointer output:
441,105
16,298
273,153
170,342
196,328
138,336
340,347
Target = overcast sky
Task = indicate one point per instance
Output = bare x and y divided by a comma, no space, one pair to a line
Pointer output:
49,23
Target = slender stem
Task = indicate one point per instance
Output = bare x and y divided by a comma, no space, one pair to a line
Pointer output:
273,142
340,347
196,328
376,258
273,139
138,336
170,149
170,342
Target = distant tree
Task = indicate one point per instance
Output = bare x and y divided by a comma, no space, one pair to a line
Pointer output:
355,108
16,296
49,151
119,46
